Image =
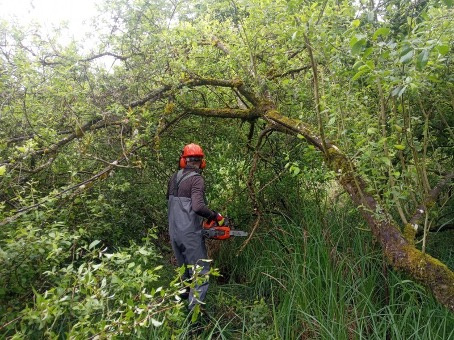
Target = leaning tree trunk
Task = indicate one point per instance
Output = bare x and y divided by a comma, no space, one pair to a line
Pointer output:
400,253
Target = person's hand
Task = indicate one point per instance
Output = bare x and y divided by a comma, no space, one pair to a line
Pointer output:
220,219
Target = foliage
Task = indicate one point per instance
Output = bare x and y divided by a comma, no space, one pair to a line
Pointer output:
98,293
86,150
321,279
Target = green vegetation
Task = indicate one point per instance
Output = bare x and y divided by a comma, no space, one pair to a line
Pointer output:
328,129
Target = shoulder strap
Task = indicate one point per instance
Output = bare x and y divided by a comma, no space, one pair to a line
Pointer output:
180,177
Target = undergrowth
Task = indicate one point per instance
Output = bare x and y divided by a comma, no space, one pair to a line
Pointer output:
321,277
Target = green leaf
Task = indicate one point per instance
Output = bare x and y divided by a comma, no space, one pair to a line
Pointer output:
356,22
358,46
368,52
384,31
448,3
144,252
2,170
371,130
370,64
358,64
93,244
399,146
195,313
386,160
442,49
407,57
359,74
422,59
398,91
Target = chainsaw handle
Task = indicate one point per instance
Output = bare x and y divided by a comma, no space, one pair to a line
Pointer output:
209,224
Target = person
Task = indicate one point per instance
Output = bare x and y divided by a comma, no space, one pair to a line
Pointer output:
186,209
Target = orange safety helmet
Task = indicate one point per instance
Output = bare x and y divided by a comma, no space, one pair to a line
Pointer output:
192,150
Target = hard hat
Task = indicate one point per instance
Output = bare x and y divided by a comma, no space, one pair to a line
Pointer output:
192,150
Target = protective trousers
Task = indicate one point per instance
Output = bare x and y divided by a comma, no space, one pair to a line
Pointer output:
188,244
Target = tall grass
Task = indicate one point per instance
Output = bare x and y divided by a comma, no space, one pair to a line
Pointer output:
322,277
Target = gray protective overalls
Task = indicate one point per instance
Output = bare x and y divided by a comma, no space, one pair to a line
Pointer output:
185,229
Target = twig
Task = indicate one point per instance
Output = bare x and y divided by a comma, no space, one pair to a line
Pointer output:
316,94
254,228
289,72
10,322
417,217
215,41
114,163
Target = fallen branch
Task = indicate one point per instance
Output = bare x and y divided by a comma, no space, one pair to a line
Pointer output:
88,182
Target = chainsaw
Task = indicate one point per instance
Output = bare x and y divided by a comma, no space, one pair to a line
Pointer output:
212,229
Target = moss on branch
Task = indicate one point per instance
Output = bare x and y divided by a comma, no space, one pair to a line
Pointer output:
225,113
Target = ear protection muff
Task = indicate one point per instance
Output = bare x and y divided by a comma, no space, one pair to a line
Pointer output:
183,162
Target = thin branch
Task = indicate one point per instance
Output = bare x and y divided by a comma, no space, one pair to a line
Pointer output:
432,196
316,94
151,97
295,53
193,82
24,104
242,104
114,163
383,119
321,12
95,124
38,169
289,72
10,322
215,41
105,54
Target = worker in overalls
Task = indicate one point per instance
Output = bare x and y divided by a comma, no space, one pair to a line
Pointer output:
186,210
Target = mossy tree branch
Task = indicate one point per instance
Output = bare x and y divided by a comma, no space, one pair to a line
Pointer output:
400,253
